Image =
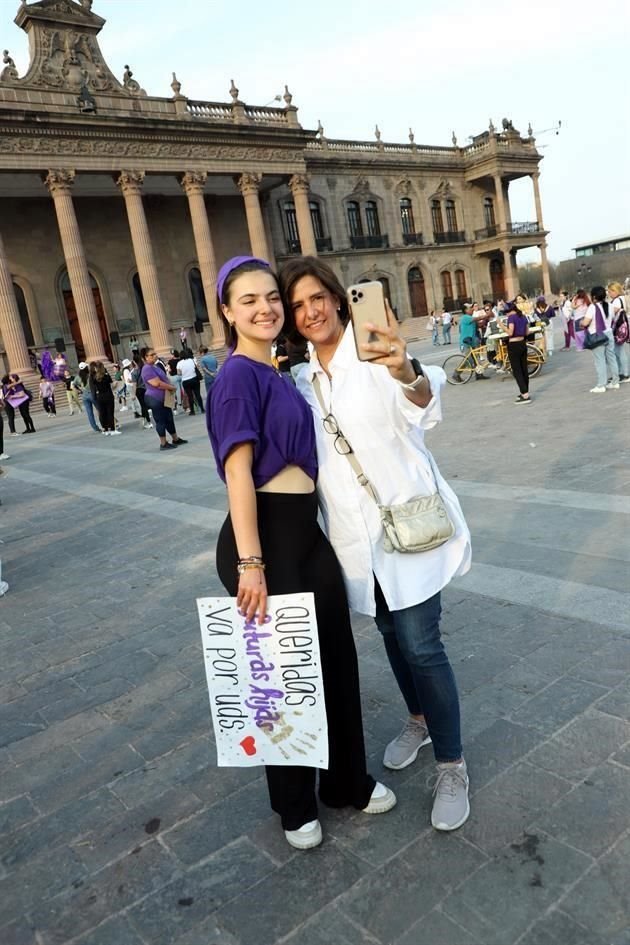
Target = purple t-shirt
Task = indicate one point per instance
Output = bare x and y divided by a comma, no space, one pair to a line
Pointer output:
250,402
521,325
154,370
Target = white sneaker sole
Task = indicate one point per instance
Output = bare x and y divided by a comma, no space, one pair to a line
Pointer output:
447,827
381,805
305,841
410,760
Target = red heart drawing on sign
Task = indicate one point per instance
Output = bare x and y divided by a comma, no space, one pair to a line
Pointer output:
248,745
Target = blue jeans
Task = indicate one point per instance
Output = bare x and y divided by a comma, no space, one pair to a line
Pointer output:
621,356
605,364
88,403
446,334
162,416
435,336
424,675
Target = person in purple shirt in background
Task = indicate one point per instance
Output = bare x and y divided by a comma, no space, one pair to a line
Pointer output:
157,385
518,326
262,436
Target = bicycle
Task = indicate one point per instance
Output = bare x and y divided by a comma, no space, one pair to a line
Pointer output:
535,358
461,367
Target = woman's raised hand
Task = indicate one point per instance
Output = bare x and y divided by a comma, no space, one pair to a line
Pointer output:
251,598
391,348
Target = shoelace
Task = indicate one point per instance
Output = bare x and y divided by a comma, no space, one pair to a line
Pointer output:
445,780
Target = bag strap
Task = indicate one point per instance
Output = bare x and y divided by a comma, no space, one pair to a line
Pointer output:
352,456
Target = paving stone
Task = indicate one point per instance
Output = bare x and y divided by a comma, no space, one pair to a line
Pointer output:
437,929
15,730
557,656
215,784
40,879
501,810
65,825
556,705
57,737
154,778
582,744
526,878
291,894
557,928
495,749
601,900
617,702
19,932
610,667
224,822
181,905
622,757
116,931
429,868
15,813
96,695
331,925
594,813
106,893
480,665
126,830
523,677
26,778
156,691
133,666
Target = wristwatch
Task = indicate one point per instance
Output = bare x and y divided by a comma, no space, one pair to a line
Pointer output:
419,375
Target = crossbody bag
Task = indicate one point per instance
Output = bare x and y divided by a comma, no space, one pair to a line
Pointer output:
418,525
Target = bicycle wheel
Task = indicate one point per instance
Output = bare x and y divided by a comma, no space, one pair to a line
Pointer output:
457,367
535,360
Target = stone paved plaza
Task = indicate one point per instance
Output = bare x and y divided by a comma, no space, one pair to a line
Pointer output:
116,828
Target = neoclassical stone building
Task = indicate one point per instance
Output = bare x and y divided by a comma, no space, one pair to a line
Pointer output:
117,207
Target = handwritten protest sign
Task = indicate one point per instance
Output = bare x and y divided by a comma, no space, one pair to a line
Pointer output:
265,682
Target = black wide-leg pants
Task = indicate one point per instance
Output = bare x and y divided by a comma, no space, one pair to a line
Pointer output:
298,559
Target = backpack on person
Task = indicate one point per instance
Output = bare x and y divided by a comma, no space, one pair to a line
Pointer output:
621,328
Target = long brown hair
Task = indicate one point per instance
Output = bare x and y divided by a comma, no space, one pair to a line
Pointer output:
296,269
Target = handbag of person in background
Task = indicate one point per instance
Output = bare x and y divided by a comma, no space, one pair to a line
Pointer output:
595,339
420,524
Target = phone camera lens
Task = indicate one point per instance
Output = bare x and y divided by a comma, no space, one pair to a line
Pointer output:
360,295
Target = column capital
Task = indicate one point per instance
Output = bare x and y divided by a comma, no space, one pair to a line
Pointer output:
59,180
299,184
193,182
130,182
249,183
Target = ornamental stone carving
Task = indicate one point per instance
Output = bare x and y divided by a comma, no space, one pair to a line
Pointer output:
248,183
130,182
404,188
9,73
59,180
362,187
193,182
65,54
299,183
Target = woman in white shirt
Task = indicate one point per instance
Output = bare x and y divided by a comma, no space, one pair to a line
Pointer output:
383,408
191,378
598,320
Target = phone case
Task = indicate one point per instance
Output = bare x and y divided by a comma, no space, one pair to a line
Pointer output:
367,304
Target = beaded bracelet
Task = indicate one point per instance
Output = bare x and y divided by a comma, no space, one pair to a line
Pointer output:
250,566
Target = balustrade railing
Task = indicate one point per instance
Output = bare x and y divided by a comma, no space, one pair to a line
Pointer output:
413,239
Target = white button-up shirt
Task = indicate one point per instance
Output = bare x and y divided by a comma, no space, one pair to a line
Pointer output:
386,432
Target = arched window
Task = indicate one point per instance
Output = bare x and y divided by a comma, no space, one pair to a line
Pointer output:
290,222
460,284
316,219
24,319
355,224
371,218
451,216
406,216
64,282
142,309
436,216
447,285
488,212
198,296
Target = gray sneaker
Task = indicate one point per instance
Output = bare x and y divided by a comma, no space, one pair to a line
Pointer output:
450,806
403,750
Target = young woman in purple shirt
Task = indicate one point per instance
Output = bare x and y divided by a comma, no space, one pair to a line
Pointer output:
263,440
518,326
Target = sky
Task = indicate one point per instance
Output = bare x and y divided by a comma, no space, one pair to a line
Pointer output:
436,66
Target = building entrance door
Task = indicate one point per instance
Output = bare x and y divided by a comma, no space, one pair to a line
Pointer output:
497,278
417,293
73,319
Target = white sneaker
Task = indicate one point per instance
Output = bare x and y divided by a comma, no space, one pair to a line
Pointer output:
16,434
382,799
612,386
597,390
122,409
305,837
115,433
4,456
624,380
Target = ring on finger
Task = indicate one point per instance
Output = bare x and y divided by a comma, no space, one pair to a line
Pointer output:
393,349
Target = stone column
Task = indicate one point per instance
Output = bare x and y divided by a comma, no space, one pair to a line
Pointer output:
298,186
10,322
130,183
193,184
543,246
248,185
511,274
502,216
59,183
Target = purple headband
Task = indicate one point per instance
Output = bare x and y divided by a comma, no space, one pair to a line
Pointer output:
233,264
